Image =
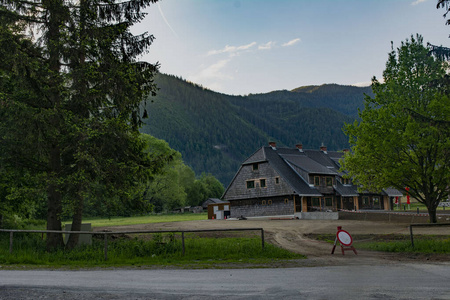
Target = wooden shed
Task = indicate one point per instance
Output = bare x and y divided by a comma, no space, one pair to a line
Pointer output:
219,210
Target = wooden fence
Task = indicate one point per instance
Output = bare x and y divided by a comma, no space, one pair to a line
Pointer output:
106,233
423,225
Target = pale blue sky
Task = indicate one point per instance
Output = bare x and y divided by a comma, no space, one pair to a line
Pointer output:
239,47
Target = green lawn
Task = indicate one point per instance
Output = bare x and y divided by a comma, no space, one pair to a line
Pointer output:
414,205
118,221
149,250
426,244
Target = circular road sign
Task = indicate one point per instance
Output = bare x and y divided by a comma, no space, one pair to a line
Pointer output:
344,237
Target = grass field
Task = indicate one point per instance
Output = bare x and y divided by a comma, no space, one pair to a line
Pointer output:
439,244
417,205
118,221
159,249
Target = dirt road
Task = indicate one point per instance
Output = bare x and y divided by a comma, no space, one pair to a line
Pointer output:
292,235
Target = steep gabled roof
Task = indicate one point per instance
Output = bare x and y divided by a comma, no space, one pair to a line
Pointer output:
325,158
257,156
308,165
299,186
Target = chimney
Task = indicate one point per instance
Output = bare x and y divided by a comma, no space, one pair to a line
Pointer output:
273,145
323,148
299,147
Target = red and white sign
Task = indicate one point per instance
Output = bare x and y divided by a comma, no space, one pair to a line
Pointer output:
344,237
345,241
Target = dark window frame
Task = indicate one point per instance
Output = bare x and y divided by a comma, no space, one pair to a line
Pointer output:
250,184
329,181
316,180
262,183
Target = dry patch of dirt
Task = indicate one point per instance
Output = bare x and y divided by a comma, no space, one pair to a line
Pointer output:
299,236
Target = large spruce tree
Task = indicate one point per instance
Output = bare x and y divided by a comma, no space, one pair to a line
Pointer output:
71,92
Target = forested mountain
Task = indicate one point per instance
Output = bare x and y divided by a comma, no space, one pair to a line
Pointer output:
216,132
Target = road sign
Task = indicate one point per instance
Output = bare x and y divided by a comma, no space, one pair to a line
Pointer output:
345,241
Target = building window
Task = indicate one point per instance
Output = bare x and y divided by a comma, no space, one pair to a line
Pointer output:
329,181
376,201
277,180
328,201
262,183
286,200
263,202
251,184
316,180
315,202
365,200
269,202
255,167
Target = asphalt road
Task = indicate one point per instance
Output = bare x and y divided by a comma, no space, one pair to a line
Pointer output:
394,281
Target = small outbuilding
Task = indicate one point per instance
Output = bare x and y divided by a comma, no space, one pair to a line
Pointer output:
218,209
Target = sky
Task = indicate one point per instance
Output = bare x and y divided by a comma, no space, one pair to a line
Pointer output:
238,47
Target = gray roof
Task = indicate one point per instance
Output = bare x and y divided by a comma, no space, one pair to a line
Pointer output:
391,192
307,164
292,163
299,186
346,190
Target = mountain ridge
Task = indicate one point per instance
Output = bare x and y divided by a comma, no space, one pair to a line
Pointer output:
215,132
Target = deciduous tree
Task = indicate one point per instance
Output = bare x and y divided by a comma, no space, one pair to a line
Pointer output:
403,138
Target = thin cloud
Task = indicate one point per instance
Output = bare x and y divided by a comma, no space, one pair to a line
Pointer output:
165,20
266,46
213,71
291,42
418,2
232,49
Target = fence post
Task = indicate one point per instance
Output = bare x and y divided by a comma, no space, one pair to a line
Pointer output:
106,246
182,242
10,242
262,238
411,233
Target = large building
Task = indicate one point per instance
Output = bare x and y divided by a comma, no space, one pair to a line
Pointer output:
285,181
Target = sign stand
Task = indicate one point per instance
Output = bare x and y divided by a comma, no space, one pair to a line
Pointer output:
345,241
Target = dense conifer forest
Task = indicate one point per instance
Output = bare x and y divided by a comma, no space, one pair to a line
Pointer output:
215,132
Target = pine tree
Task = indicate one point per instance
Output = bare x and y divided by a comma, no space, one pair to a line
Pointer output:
84,86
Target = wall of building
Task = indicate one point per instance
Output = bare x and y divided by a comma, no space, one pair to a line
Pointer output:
239,190
272,206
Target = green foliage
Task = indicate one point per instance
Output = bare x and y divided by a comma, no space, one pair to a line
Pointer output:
215,133
207,186
70,102
403,137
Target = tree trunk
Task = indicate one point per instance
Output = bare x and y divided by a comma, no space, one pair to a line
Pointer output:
54,209
76,223
54,201
432,214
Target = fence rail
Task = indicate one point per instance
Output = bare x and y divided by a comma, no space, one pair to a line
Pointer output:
423,225
106,233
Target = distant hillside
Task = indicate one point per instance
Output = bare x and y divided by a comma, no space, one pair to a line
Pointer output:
216,132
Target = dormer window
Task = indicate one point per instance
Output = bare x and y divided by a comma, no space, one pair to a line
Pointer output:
329,181
316,180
